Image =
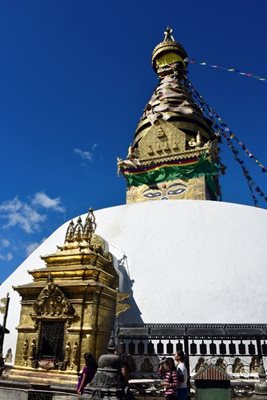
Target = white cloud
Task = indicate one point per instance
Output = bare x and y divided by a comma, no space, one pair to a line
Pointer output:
6,257
21,214
41,199
11,205
26,215
86,155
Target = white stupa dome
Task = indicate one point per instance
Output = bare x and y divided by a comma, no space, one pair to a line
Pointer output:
184,261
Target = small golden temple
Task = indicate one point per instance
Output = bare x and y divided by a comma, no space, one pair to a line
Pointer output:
68,309
174,153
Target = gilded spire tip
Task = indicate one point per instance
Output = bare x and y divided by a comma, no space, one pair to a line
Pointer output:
168,35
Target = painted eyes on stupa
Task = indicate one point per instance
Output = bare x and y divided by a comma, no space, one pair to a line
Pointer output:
176,191
152,195
173,190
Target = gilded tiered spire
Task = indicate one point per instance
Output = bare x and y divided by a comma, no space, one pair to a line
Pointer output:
174,151
80,232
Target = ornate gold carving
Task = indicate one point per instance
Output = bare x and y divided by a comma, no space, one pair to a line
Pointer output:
89,226
69,237
33,349
52,303
75,353
163,139
67,353
81,238
80,232
161,134
25,351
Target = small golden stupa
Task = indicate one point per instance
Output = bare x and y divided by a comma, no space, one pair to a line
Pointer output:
174,153
68,309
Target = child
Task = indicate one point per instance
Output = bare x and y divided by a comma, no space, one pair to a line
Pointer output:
170,380
88,372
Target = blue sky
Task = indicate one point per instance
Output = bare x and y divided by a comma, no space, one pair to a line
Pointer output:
74,79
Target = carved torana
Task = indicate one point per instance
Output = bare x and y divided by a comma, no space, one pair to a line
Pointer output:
52,303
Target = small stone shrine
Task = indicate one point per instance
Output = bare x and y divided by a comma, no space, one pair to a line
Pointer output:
108,381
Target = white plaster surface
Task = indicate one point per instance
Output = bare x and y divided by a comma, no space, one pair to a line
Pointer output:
191,261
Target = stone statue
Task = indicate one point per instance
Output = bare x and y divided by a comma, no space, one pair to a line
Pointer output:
67,353
201,364
33,349
74,360
238,366
254,365
9,356
25,351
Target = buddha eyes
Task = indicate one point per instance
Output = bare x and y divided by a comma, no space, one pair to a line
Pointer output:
172,191
176,191
151,195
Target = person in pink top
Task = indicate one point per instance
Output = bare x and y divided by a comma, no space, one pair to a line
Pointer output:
168,373
88,372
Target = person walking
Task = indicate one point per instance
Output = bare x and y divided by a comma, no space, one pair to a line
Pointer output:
182,376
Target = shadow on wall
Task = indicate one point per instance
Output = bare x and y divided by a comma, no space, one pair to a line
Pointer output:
133,315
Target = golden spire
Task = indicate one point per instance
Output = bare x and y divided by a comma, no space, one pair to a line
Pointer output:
89,226
172,134
168,52
70,233
80,232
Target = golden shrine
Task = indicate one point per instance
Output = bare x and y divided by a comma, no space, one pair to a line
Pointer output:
68,309
174,154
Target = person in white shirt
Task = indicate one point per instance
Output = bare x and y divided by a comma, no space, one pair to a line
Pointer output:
182,390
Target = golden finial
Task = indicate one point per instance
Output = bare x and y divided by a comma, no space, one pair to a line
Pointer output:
168,52
89,226
168,35
78,230
70,232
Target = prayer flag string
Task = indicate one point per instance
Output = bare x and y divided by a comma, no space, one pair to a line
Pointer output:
222,130
205,63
